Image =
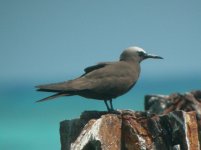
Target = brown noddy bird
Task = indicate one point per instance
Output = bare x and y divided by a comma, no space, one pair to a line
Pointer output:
104,81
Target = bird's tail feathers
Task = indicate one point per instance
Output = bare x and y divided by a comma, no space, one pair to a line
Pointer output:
53,96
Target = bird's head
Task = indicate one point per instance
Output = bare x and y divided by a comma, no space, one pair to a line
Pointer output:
136,54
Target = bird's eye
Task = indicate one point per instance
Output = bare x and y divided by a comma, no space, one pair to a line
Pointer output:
141,54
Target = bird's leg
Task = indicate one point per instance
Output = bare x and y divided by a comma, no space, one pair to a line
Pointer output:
111,106
108,108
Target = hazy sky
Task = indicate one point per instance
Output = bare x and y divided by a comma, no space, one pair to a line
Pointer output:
54,40
42,39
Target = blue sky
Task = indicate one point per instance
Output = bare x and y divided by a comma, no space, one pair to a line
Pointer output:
56,40
44,41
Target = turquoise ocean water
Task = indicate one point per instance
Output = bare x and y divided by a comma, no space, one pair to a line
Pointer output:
28,125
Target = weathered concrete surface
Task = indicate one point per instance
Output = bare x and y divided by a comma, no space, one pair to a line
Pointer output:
70,129
128,130
163,104
103,133
169,123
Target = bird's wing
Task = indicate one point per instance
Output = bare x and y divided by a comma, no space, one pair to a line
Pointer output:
53,97
66,87
79,84
53,87
97,66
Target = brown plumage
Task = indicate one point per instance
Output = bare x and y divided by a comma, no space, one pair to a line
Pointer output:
104,81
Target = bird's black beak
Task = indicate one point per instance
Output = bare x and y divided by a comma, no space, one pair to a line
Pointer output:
152,56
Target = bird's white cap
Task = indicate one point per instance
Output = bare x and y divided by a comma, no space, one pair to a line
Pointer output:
134,49
132,52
